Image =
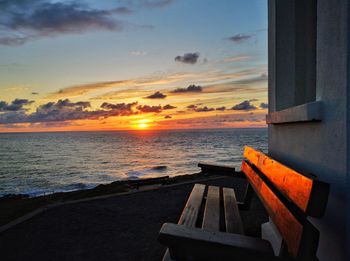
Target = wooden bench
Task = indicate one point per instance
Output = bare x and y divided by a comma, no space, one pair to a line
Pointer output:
288,196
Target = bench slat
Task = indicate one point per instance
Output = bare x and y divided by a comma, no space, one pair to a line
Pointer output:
291,229
211,219
233,220
190,213
309,194
198,244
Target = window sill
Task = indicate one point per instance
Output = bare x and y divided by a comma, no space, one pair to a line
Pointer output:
307,112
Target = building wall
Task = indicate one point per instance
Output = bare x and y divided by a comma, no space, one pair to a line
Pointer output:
320,147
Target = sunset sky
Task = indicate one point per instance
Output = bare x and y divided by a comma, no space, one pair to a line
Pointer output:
132,64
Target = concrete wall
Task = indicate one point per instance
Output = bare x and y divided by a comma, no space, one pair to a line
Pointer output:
319,148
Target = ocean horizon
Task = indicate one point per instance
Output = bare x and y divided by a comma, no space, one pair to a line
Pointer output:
47,162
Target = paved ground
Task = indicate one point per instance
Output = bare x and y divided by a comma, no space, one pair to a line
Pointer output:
118,228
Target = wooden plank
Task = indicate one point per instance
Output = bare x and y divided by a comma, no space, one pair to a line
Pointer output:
308,193
291,229
233,220
198,244
190,213
211,218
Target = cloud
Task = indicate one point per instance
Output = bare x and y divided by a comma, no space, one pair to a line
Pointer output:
256,79
195,108
156,95
244,106
154,109
192,106
221,108
188,58
21,21
224,120
167,117
65,110
156,79
15,105
204,109
191,88
237,58
239,38
128,87
169,107
35,93
148,108
123,108
264,105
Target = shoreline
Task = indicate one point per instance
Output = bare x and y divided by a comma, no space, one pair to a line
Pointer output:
15,206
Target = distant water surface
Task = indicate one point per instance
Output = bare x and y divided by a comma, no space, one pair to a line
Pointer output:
40,163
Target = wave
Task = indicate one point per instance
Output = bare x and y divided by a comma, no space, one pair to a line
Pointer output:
160,168
135,174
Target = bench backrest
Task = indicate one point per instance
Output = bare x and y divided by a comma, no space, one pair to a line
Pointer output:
289,197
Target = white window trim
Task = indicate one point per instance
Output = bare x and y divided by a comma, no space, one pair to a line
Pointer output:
307,112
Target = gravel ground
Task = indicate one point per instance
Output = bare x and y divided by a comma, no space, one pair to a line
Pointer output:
123,227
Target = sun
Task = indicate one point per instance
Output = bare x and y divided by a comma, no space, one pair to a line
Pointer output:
142,124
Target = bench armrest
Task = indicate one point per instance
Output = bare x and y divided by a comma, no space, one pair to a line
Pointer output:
198,244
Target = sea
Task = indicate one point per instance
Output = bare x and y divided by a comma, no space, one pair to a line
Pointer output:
43,163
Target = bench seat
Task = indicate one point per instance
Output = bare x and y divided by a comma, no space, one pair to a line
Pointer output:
198,235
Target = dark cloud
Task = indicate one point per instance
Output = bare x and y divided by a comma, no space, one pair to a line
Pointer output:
118,106
191,88
204,109
189,58
167,117
169,107
221,108
23,20
15,105
35,93
156,95
148,108
244,106
264,105
65,110
239,38
192,106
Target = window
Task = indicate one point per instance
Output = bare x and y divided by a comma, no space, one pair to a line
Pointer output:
295,54
292,62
